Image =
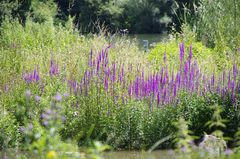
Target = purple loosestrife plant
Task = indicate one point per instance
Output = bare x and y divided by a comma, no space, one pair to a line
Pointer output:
133,83
32,76
53,70
188,78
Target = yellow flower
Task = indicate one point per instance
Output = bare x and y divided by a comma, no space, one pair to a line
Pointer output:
51,154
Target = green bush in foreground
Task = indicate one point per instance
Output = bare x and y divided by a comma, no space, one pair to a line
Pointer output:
134,126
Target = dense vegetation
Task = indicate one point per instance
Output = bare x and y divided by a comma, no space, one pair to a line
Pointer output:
61,90
145,16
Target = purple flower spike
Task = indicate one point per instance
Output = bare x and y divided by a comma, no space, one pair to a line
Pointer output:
234,71
31,77
53,71
190,53
181,52
98,66
106,84
114,73
158,98
174,90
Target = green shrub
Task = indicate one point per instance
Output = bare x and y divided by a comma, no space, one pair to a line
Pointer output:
209,59
216,29
9,127
201,54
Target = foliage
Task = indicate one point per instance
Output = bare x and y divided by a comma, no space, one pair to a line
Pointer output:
9,136
156,16
55,91
7,8
43,10
216,122
216,29
203,55
183,138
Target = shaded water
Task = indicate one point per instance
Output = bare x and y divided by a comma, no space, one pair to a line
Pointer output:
138,155
153,39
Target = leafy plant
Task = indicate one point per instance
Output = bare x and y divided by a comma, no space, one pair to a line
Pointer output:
216,123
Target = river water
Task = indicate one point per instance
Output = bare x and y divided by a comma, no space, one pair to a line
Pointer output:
138,155
161,154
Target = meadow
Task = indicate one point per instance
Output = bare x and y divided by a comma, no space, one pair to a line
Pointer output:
67,95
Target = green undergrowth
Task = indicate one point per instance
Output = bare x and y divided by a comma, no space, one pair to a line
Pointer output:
209,59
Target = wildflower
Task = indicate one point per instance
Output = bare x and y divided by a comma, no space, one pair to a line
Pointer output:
37,98
49,111
45,123
22,129
44,116
184,149
228,152
32,76
158,98
63,118
106,84
53,68
66,95
58,97
181,52
51,154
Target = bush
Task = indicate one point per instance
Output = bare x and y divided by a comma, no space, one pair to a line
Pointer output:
216,29
218,58
9,127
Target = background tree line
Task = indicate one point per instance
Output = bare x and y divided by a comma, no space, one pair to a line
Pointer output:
138,16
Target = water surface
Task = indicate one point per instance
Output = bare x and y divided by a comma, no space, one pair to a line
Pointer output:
138,155
161,154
